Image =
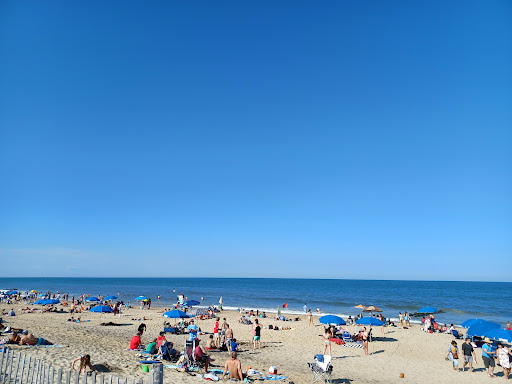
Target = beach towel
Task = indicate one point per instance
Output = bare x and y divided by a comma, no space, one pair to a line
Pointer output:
352,345
46,346
274,377
337,341
176,366
253,372
150,362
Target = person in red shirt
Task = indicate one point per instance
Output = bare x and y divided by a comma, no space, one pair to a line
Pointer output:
160,339
135,342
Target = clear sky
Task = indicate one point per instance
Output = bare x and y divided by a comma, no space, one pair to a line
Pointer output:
332,139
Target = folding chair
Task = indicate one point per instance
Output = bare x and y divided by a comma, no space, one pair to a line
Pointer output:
322,370
346,337
190,347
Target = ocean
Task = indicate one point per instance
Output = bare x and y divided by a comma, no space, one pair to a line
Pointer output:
459,301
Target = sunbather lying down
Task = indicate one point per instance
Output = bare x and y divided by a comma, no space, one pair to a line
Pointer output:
30,339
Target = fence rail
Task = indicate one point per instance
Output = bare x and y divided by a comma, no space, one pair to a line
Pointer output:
17,368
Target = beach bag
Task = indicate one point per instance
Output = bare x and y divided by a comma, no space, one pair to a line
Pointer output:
270,326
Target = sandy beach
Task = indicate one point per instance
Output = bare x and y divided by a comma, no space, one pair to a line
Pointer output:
419,355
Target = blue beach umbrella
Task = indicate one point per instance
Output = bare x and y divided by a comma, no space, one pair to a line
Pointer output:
471,322
39,302
12,292
499,335
141,298
92,298
51,301
331,319
369,321
191,303
176,314
480,328
428,310
112,297
102,309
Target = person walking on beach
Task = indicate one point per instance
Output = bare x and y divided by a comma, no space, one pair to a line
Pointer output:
488,358
469,354
257,334
327,342
407,320
401,319
504,355
453,354
305,308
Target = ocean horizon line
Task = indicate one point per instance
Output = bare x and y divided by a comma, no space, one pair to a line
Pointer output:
252,278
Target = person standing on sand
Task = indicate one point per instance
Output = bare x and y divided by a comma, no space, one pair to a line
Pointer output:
305,308
488,358
364,336
469,354
453,354
504,354
229,337
401,319
407,320
234,367
257,334
327,342
310,318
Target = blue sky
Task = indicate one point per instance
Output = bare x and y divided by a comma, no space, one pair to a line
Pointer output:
327,139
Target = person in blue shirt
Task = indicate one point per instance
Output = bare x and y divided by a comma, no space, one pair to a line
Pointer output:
192,330
487,357
234,346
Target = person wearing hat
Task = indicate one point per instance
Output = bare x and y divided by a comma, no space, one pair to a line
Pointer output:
192,330
487,357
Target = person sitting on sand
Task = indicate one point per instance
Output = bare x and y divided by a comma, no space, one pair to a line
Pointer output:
85,361
14,339
135,342
234,346
30,339
234,367
160,339
152,347
210,343
142,328
202,356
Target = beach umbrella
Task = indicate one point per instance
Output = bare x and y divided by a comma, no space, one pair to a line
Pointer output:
101,308
12,292
369,321
51,301
191,303
428,310
372,308
141,298
360,306
33,291
197,312
176,314
220,300
480,328
41,295
92,298
499,335
331,319
471,322
39,302
112,297
278,311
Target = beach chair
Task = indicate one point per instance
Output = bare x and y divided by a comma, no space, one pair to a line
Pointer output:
190,346
321,369
456,334
346,337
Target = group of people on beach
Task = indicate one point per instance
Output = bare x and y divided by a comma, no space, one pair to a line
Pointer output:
502,353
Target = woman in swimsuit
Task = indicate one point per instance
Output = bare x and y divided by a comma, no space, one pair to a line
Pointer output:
257,334
327,342
364,336
310,318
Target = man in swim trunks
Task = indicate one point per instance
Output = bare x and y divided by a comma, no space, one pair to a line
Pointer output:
469,354
30,339
234,367
229,337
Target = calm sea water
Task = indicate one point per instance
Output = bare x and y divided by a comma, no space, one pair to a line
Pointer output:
458,300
